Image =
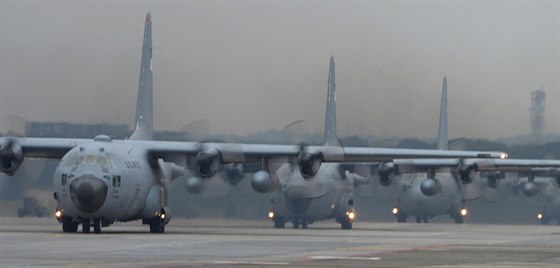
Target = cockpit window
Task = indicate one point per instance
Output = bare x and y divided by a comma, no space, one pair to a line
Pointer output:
106,162
68,159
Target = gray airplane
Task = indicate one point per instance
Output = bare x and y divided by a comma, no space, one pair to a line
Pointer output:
100,181
550,190
426,196
433,193
302,201
543,181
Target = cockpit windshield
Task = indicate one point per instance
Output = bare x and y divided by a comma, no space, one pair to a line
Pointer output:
105,161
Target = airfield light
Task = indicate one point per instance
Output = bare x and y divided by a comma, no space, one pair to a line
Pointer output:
464,212
395,211
539,216
270,214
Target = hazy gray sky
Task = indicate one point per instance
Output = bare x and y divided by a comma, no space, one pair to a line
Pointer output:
247,66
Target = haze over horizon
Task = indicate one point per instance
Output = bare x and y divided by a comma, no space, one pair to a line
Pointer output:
251,66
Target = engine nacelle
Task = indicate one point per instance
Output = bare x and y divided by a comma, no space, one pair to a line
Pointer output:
11,157
466,172
194,185
233,174
309,162
493,179
430,187
262,182
386,171
530,189
207,163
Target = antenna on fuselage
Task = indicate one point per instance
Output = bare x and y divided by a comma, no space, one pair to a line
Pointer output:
144,107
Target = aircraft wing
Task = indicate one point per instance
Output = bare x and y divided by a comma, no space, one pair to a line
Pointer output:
509,165
542,167
13,150
43,148
240,153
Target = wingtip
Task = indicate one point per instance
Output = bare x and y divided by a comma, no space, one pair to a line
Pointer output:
149,17
332,59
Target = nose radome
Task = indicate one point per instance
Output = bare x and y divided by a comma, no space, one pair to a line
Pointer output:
88,193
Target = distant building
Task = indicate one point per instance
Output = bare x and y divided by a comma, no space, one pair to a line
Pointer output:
70,130
538,98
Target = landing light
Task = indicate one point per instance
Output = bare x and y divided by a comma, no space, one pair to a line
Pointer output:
270,215
464,212
504,156
395,211
162,216
351,214
539,216
58,214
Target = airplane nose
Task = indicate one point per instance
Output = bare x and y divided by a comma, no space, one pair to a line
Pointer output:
296,199
88,193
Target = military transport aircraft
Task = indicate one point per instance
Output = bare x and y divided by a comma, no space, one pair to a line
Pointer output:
425,196
302,201
543,182
100,181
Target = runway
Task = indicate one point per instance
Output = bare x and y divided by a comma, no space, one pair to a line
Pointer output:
231,243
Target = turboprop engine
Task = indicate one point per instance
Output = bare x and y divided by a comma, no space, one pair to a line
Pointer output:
493,179
466,172
386,171
309,162
11,156
207,163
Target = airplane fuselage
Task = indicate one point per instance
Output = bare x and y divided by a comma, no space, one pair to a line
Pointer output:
110,180
413,202
325,196
551,208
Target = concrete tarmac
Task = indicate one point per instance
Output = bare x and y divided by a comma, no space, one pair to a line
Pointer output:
32,242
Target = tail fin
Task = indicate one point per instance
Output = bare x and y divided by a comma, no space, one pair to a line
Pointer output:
442,134
330,137
144,109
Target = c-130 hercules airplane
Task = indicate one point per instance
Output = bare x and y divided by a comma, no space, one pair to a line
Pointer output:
98,182
432,193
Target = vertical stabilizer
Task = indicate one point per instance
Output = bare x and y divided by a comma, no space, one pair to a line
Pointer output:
330,137
442,134
144,109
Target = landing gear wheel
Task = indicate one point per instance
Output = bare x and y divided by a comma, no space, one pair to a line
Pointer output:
544,220
401,217
279,222
345,224
157,226
86,226
68,225
459,219
425,219
97,226
418,219
295,223
303,224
